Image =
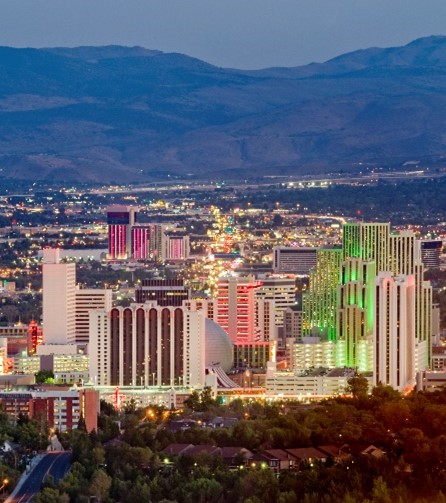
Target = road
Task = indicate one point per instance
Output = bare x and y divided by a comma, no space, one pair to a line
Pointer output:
55,464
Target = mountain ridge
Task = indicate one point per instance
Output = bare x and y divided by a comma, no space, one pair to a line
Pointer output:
116,113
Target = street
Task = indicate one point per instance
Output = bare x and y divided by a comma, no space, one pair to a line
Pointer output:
55,464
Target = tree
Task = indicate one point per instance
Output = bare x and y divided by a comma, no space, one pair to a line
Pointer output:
100,484
358,386
44,376
51,495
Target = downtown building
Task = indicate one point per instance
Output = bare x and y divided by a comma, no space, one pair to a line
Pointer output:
65,307
293,260
248,320
345,304
120,220
147,345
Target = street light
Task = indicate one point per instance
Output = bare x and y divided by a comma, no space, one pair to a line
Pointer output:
5,483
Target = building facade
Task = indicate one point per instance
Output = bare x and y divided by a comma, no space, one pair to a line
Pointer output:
120,220
147,345
58,299
293,260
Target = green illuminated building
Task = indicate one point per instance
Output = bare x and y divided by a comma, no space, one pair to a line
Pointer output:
339,304
319,303
368,241
354,320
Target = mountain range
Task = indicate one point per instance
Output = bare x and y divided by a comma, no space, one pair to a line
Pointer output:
129,114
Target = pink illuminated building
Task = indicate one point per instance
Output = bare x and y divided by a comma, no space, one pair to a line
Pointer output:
236,308
120,220
140,243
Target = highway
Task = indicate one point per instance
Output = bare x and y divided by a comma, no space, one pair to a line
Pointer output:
55,464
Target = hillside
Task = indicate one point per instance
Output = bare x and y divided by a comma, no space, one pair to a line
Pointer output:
131,114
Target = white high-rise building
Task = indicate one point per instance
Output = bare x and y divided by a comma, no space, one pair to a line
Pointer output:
395,343
281,291
59,299
147,345
86,300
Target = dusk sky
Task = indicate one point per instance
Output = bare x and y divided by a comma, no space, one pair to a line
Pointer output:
230,33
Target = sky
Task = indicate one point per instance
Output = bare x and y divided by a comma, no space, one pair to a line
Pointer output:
244,34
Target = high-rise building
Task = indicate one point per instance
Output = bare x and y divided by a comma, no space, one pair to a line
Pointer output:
293,260
165,292
236,307
149,345
319,302
140,242
281,291
429,252
86,300
176,247
368,241
394,331
58,299
355,315
369,250
120,220
401,253
264,320
157,241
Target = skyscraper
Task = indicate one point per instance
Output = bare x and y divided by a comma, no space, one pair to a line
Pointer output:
86,300
354,329
236,307
429,251
368,241
293,260
394,331
140,242
319,302
149,345
58,299
349,316
120,220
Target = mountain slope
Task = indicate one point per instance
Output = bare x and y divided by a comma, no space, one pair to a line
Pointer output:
129,114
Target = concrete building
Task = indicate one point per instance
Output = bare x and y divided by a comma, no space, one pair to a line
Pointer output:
368,241
292,323
429,252
280,290
314,384
58,299
165,292
86,300
207,306
236,308
140,242
176,247
157,241
120,220
147,345
319,302
394,331
293,260
355,316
